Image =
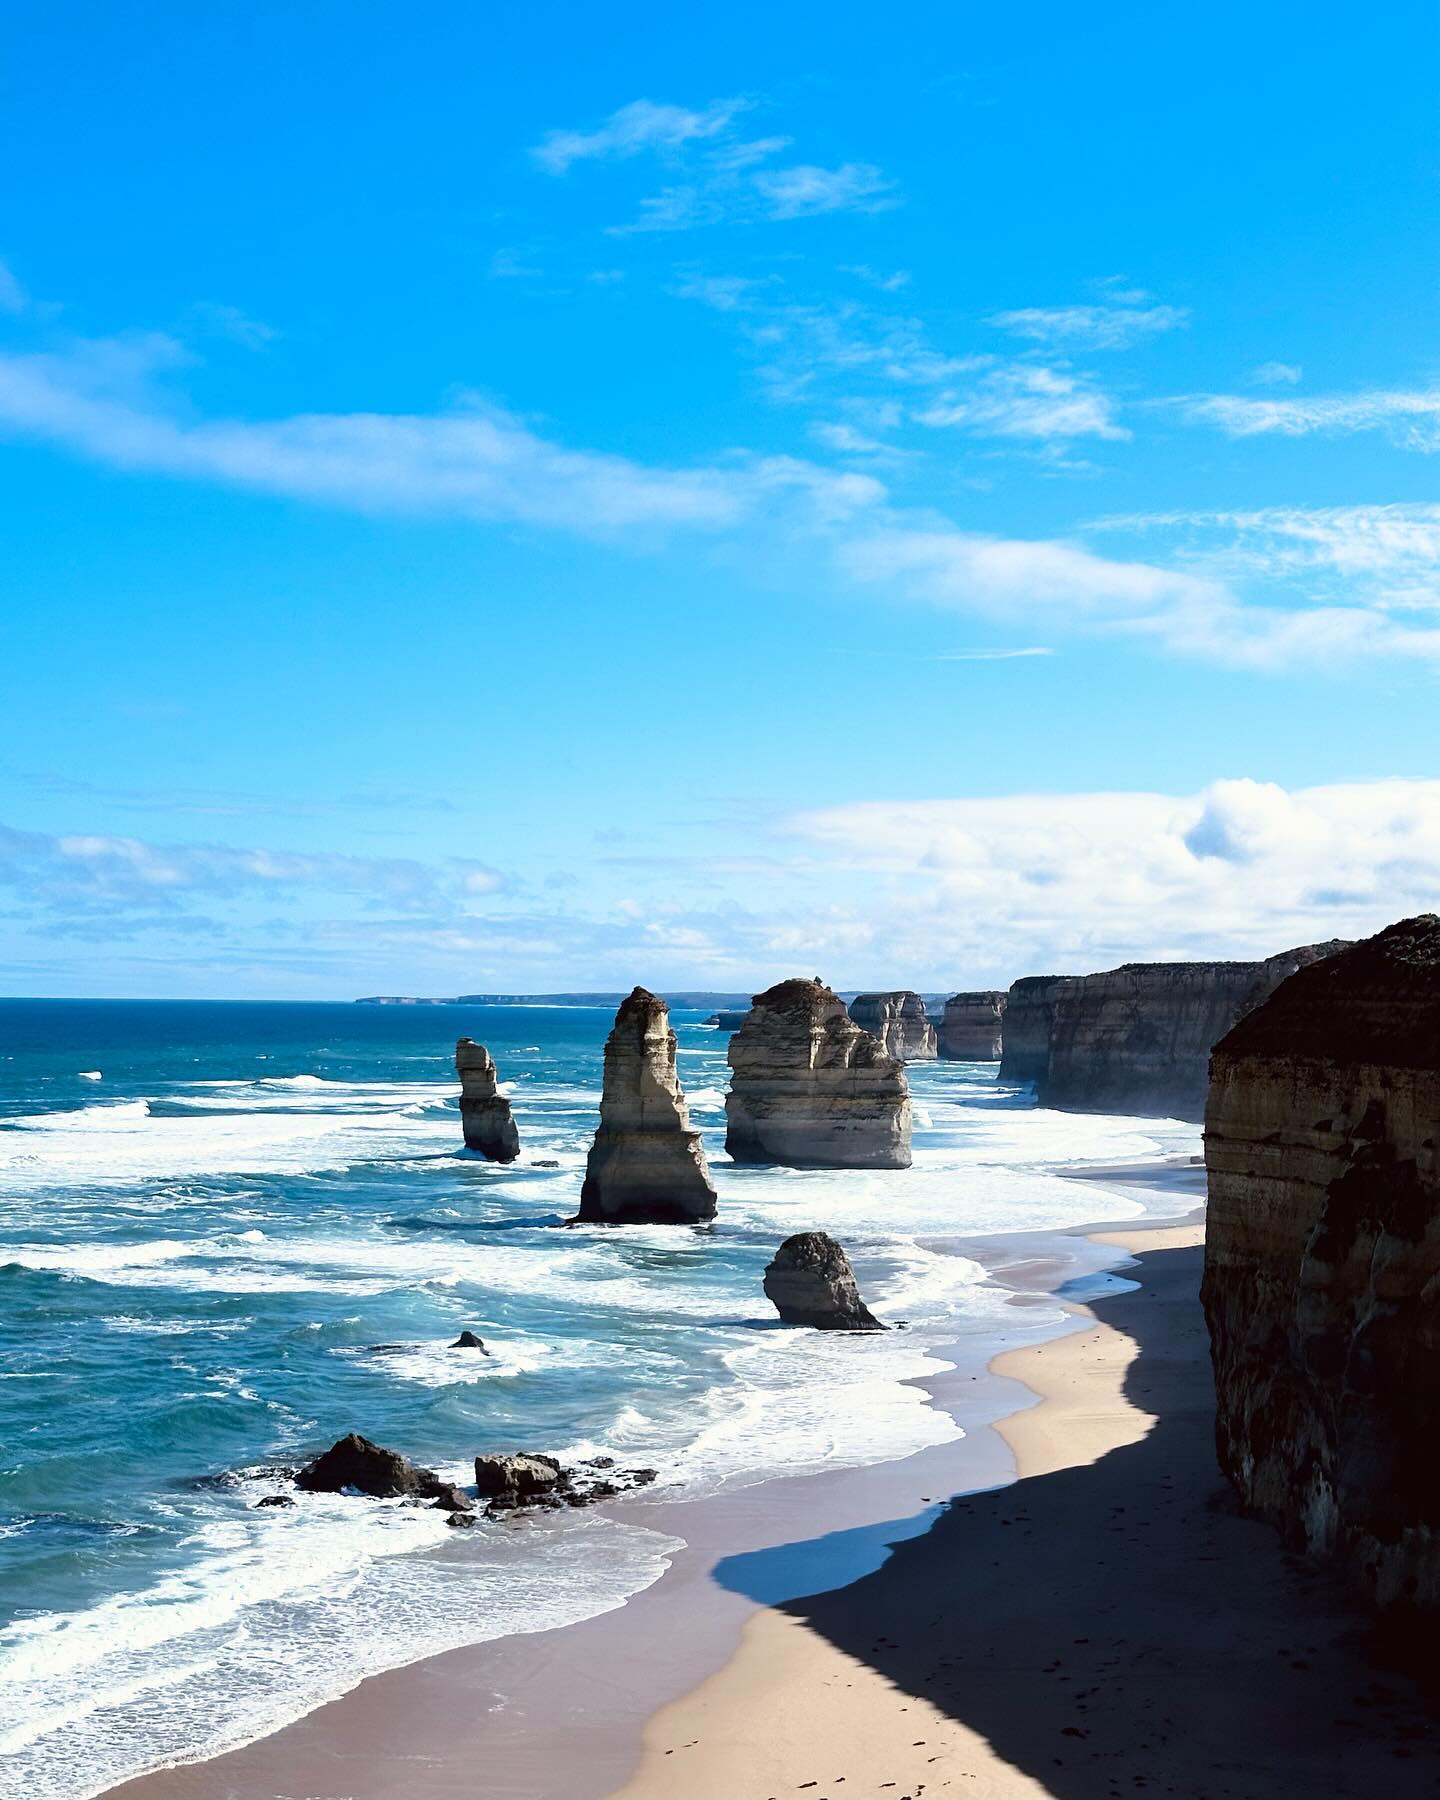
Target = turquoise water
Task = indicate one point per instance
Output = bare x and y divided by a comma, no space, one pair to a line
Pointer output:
230,1233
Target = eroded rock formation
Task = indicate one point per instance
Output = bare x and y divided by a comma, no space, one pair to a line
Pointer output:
1137,1039
647,1164
898,1020
1029,1013
1322,1259
810,1089
484,1111
810,1282
726,1020
970,1029
353,1462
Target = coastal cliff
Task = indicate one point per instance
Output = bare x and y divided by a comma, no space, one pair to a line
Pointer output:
1029,1010
1322,1260
647,1164
1137,1039
898,1020
970,1028
484,1110
810,1089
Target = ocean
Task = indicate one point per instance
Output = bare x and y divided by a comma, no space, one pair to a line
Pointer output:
230,1233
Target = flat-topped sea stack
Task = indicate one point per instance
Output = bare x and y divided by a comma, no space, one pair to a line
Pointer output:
1322,1261
970,1028
899,1021
647,1164
1138,1039
484,1111
810,1282
726,1020
1029,1012
810,1089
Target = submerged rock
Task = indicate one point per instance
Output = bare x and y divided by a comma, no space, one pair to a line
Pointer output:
810,1282
899,1021
810,1089
1322,1260
484,1111
647,1164
276,1500
970,1030
467,1340
354,1462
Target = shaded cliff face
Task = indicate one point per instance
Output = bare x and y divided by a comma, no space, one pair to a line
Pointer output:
1322,1260
1137,1039
484,1112
810,1282
898,1020
646,1165
810,1089
970,1030
1029,1010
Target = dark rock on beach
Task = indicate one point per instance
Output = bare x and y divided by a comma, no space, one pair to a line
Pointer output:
354,1462
523,1474
811,1283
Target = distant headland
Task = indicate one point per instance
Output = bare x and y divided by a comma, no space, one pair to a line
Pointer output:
704,1001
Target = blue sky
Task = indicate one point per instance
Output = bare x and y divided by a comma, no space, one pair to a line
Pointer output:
527,502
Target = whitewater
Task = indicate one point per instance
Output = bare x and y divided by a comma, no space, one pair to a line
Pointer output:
229,1234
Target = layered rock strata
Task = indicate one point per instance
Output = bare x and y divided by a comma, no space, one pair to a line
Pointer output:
1137,1039
484,1110
810,1282
1029,1014
1322,1260
899,1021
810,1089
647,1164
970,1027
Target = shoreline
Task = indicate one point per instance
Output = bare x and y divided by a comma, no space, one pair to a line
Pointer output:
420,1729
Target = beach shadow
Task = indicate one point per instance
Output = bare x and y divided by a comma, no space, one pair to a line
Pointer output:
1120,1628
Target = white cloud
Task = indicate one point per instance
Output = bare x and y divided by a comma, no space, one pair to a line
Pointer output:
213,319
13,298
806,190
1026,400
1277,374
1411,418
1038,883
642,125
887,284
1090,327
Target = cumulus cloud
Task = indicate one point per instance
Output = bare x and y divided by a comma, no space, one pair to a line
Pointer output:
642,125
1411,418
1049,883
1090,327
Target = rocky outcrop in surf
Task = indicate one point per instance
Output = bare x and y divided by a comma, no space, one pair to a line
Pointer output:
1029,1014
898,1019
647,1163
810,1282
1137,1039
484,1111
810,1089
970,1028
355,1465
1322,1260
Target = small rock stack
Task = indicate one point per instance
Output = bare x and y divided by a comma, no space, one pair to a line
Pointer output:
484,1111
899,1021
970,1030
811,1283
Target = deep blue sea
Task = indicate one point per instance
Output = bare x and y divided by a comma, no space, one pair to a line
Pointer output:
230,1233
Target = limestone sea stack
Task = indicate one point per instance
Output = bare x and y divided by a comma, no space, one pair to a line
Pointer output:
1029,1011
810,1089
898,1020
1322,1260
970,1028
1137,1039
484,1111
647,1165
811,1283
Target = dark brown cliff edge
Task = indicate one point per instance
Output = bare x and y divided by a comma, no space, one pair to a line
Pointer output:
1029,1012
1322,1261
1137,1039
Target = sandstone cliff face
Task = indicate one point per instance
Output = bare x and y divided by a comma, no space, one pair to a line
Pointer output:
899,1021
1137,1039
810,1089
1029,1010
970,1030
646,1166
1322,1260
484,1113
810,1282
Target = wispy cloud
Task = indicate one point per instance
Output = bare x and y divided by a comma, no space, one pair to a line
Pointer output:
1410,417
211,318
1090,327
1277,374
13,298
642,125
1027,400
806,190
887,284
992,655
